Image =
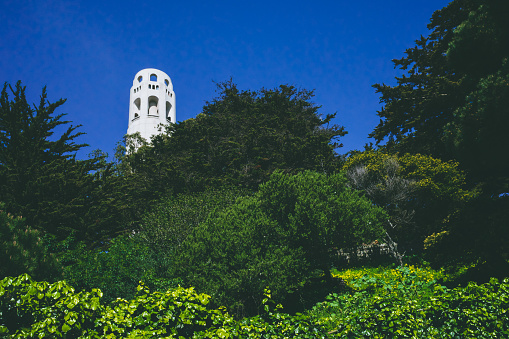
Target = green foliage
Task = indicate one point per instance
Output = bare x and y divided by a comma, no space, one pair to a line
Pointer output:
40,177
420,105
115,206
479,127
29,160
432,194
272,323
478,233
451,103
30,309
165,227
35,309
240,139
371,278
452,100
177,313
280,237
116,269
408,303
22,250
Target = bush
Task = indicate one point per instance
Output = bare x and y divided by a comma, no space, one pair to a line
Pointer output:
22,250
170,221
407,302
30,309
281,237
421,193
116,270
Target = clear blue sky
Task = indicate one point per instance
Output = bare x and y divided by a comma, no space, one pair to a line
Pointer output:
89,51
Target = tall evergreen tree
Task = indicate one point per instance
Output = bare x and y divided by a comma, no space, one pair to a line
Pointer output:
40,177
452,101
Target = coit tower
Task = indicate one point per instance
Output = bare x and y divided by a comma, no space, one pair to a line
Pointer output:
151,104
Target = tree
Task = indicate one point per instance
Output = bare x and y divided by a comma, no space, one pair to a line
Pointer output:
118,270
420,193
452,104
420,105
478,233
282,237
452,101
477,134
23,250
40,177
240,138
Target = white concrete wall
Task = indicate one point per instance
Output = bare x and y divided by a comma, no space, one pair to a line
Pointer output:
145,120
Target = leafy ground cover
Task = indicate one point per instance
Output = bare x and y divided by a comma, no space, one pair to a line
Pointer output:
403,302
30,309
409,302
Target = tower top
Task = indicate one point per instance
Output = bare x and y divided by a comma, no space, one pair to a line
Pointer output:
152,74
152,103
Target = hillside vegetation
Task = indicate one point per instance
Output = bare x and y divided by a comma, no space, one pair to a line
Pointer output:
230,225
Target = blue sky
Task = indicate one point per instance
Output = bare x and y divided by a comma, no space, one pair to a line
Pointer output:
89,52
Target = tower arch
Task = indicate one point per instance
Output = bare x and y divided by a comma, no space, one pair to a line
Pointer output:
152,103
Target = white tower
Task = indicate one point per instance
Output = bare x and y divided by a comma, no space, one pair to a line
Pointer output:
152,103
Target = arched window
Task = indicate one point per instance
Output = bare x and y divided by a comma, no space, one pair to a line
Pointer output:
166,82
168,109
153,77
152,106
140,78
137,103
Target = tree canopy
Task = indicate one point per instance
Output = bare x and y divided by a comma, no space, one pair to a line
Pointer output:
40,177
38,171
452,101
240,138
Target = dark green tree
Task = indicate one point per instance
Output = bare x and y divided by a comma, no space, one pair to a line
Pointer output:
117,270
40,177
169,222
418,108
282,237
22,250
240,138
452,101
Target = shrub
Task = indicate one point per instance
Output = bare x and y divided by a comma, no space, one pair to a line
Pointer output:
407,302
170,221
30,309
421,193
281,237
117,269
22,250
